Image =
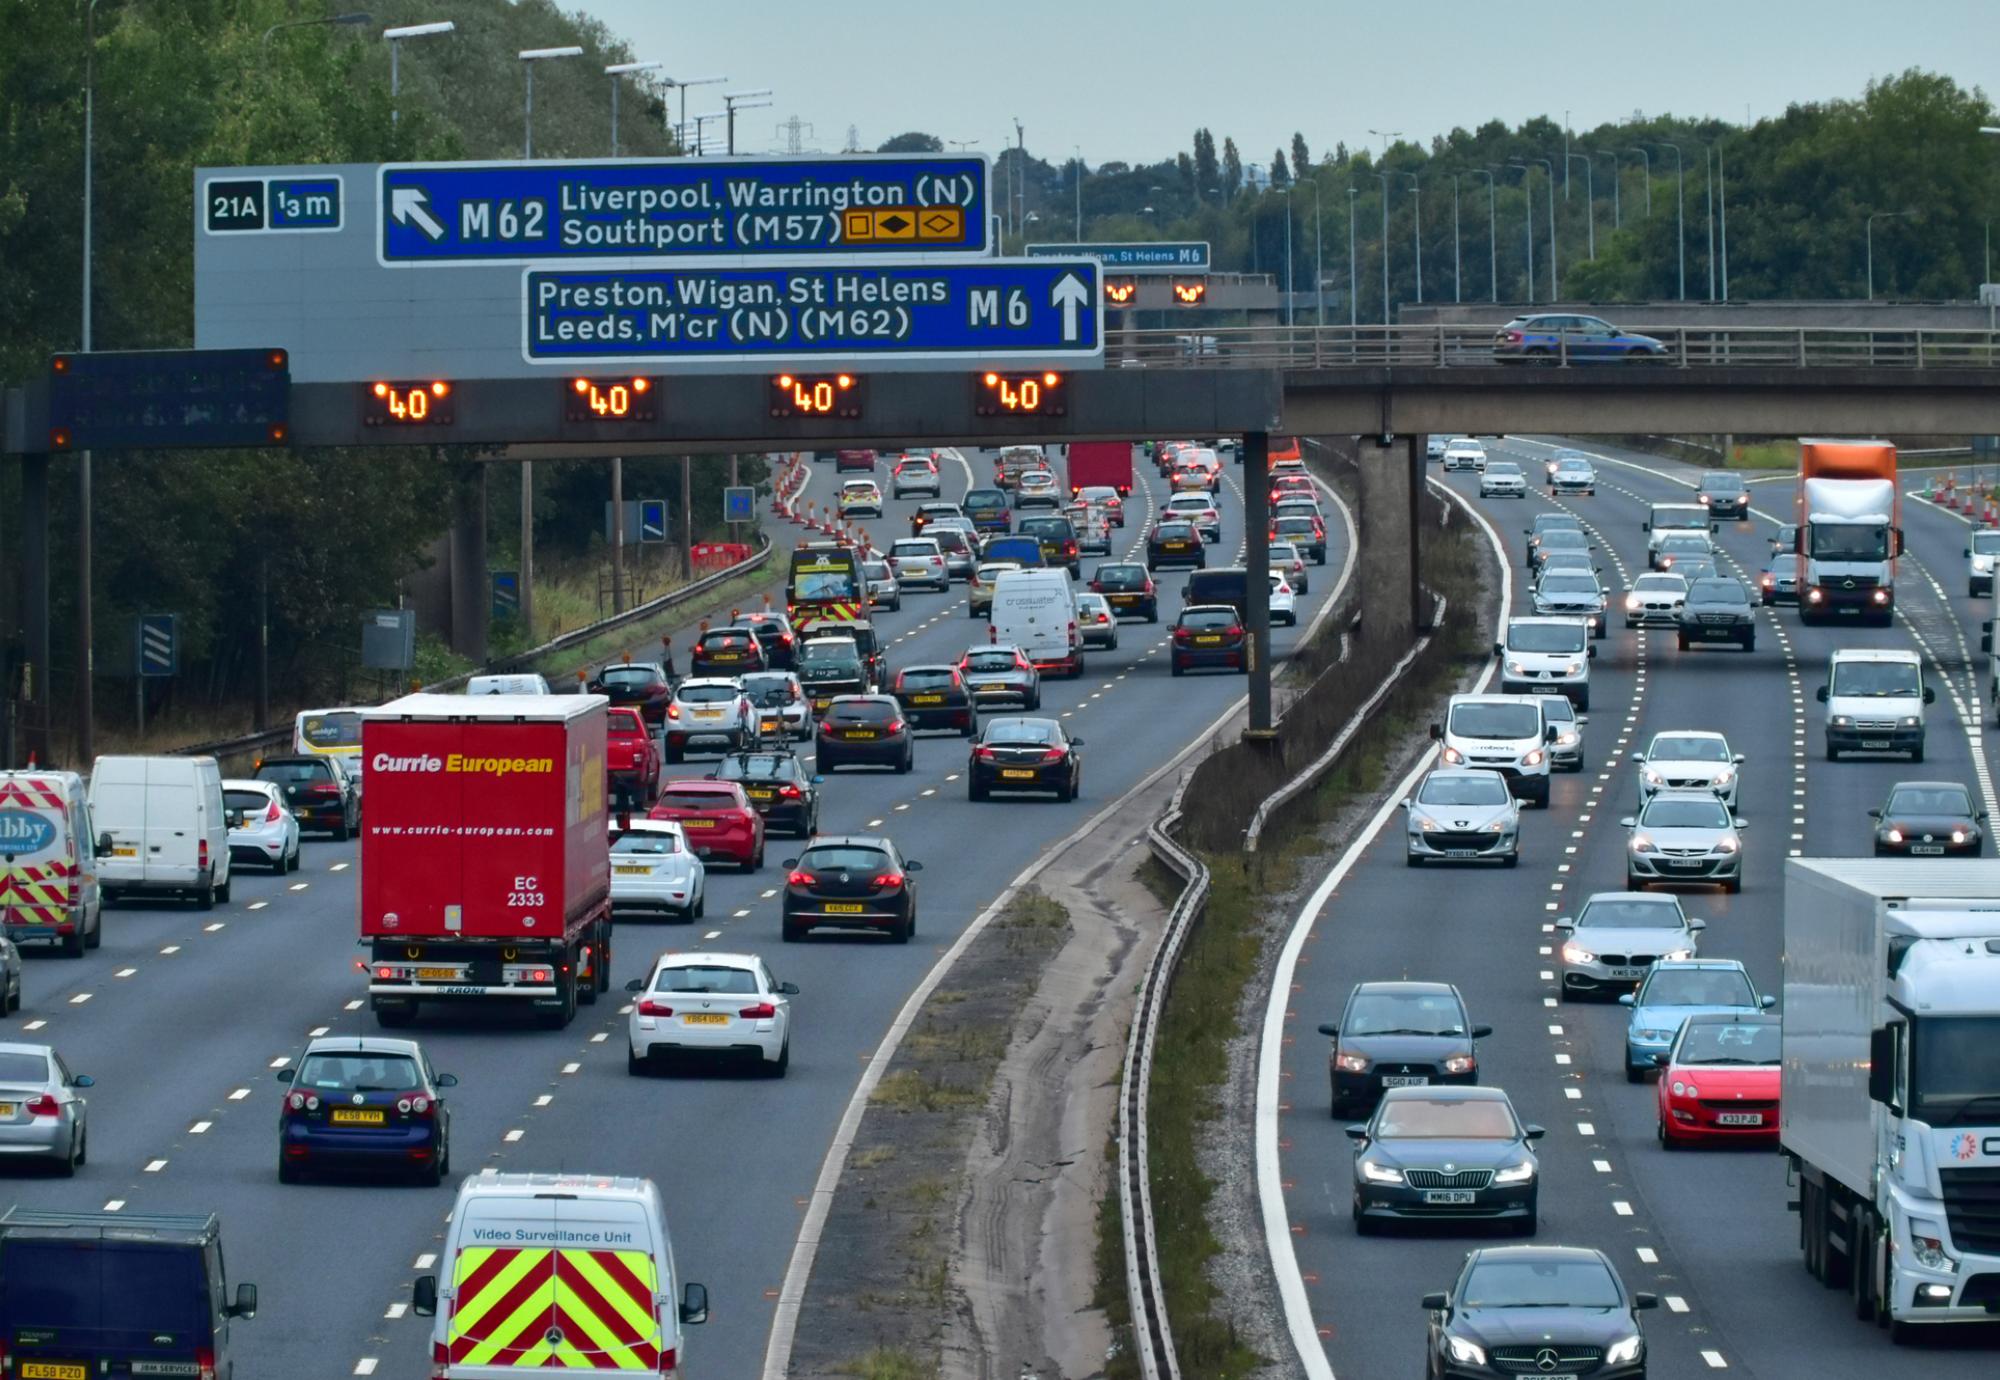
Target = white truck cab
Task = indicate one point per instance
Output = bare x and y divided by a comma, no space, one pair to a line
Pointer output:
585,1267
1667,519
1546,655
1875,702
1505,733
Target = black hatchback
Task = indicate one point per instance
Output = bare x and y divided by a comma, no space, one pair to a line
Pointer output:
863,730
779,786
1400,1035
1928,819
1129,590
317,790
936,697
1174,543
1022,754
1725,495
850,882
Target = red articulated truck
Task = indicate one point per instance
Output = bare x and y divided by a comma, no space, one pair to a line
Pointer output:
1095,463
485,861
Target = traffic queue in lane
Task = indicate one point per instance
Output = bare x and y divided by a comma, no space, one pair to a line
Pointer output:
1695,992
848,990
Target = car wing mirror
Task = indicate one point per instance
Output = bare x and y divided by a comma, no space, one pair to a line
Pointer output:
1436,1303
1328,1028
83,1080
1533,1132
1437,732
424,1296
1627,998
1357,1133
913,867
286,1075
1930,695
639,984
1874,813
1638,757
1660,1059
104,843
246,1302
1480,1032
788,862
447,1080
1629,822
694,1304
1590,653
1645,1301
1821,695
1740,823
1697,923
788,989
1767,1002
1565,925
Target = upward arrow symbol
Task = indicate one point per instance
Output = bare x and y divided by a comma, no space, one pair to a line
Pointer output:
1069,293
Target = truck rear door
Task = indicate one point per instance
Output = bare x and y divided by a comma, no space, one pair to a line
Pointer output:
79,1309
172,822
38,865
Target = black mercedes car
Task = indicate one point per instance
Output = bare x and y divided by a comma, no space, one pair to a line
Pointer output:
1444,1153
1928,819
850,882
1174,543
1400,1035
779,786
1022,754
935,697
863,730
1718,609
1724,495
1536,1310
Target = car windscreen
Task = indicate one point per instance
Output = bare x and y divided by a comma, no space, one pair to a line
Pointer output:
292,773
1403,1013
1557,709
1121,576
1718,592
1564,539
340,729
1733,1042
1496,720
926,678
1684,814
810,585
1678,747
706,694
984,498
135,1287
1501,467
1695,519
1423,1119
1690,543
759,766
1047,528
862,712
1928,800
952,540
1462,790
1571,1283
24,1068
1632,913
1573,467
1209,618
1174,531
1986,543
628,675
768,689
1294,524
1660,584
1569,582
1545,637
686,798
989,661
735,982
250,802
875,570
358,1071
1697,987
1875,679
646,844
1557,522
1020,731
843,858
1721,484
624,721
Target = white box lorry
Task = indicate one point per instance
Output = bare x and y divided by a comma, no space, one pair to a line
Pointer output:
1890,1097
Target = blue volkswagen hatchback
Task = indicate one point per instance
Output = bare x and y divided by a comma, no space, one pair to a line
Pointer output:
1673,991
364,1104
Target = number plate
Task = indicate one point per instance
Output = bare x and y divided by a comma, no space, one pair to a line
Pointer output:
1016,774
843,907
7,1108
697,824
1718,632
1627,974
1927,849
1739,1118
437,974
1450,1196
631,871
359,1116
927,699
1208,641
853,734
760,795
1406,1080
52,1370
1875,745
1461,852
705,1018
124,852
708,713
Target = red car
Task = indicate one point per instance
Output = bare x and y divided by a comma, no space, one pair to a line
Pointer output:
718,819
631,756
1719,1082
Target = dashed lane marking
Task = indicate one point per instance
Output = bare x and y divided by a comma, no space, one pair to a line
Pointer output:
155,1166
239,1094
200,1128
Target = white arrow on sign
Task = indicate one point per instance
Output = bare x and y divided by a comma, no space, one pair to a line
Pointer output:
1069,293
408,204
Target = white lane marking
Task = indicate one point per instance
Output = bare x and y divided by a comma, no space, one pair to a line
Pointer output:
257,905
1575,1094
79,999
513,1136
1601,1166
425,1261
571,1068
354,1005
874,824
1562,1059
211,929
1647,1255
338,867
599,1038
1585,1128
125,972
768,893
1622,1208
1675,1303
200,1128
298,886
316,1032
1715,1361
713,934
155,1166
545,1099
171,949
740,914
281,1061
115,1205
396,1310
365,1366
239,1094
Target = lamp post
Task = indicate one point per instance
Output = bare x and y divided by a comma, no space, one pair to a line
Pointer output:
1386,136
701,129
1647,159
1078,150
1288,254
1384,179
355,18
1548,166
1680,217
1589,197
1722,204
1319,257
1528,224
1353,290
1617,217
1492,234
1874,216
1417,230
615,71
683,86
1708,214
86,730
529,57
394,38
740,100
1456,294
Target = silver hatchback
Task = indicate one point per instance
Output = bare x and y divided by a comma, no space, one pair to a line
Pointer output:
41,1113
1618,936
1463,815
1683,836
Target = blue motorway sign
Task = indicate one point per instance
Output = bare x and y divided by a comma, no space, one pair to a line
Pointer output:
1047,310
159,647
682,208
1135,256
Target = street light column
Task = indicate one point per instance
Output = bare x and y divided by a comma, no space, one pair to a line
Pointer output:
1646,159
1289,297
394,38
1319,257
1617,218
1528,223
1457,287
1353,289
1589,199
1680,217
1384,179
529,57
1492,234
1417,229
616,71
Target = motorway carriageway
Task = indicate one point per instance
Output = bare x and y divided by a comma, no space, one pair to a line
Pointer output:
184,1019
1708,1230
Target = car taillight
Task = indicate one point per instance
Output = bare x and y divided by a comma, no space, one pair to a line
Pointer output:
274,814
984,754
789,792
297,1102
894,727
1021,662
1232,631
1180,634
762,1011
323,788
649,1007
204,1363
888,881
1149,586
1513,337
798,879
673,710
669,1368
1052,754
201,854
45,1105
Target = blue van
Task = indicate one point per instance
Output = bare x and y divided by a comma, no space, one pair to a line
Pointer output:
1025,552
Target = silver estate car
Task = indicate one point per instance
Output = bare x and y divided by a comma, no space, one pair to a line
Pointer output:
1463,814
41,1113
1683,836
1617,936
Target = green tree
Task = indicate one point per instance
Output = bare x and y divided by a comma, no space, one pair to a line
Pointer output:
1280,175
1301,160
1232,170
913,142
1205,169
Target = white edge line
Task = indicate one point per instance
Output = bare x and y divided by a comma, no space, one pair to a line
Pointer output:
791,1293
1270,1180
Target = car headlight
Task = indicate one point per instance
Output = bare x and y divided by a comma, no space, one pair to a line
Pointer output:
1533,759
1654,778
1895,835
1649,1036
1725,845
1568,739
1641,844
1459,1063
1501,826
1724,778
1576,953
1927,1244
1465,1353
1515,668
1453,755
1380,1173
1351,1063
1624,1351
1958,836
1840,721
1424,823
1633,601
1911,721
1516,1173
1682,1089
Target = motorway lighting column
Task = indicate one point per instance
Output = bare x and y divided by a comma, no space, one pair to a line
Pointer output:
1680,217
1647,160
1417,229
1874,216
529,57
1617,216
1492,234
733,101
1589,198
394,38
1353,288
683,86
616,71
1384,179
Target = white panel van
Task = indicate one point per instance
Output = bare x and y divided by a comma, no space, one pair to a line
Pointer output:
167,829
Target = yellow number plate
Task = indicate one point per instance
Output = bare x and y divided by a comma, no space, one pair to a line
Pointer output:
1173,546
631,871
1208,641
708,713
860,733
759,795
52,1370
1014,774
359,1116
7,1108
437,974
697,824
844,908
124,852
706,1018
927,699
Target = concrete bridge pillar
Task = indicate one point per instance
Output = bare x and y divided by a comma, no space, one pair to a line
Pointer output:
1391,484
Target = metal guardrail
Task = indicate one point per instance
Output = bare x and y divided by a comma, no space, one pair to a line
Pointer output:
575,637
1324,763
1152,1333
1433,347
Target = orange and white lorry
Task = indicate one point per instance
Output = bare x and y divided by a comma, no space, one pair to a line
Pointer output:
1850,530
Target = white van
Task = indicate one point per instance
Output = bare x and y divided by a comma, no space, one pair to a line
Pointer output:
164,827
517,683
48,862
558,1246
1035,610
1875,702
1505,733
1664,520
1540,655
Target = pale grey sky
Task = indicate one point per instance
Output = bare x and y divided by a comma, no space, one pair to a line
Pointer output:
1130,81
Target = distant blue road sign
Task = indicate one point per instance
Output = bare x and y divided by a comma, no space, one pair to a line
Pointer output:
1048,310
652,519
159,647
1133,256
739,503
682,209
506,593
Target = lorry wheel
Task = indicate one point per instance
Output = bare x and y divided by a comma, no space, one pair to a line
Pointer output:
563,1015
1917,753
72,943
604,959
